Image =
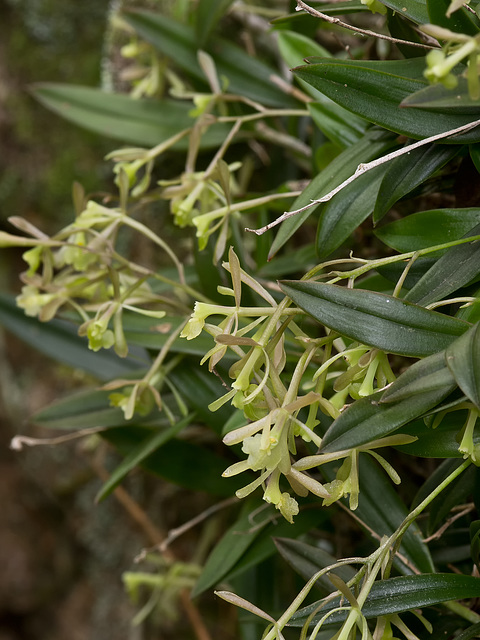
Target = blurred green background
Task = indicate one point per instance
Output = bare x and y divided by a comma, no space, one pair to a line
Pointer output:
61,556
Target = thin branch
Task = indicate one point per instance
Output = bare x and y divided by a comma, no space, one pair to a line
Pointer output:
173,534
363,168
363,32
438,534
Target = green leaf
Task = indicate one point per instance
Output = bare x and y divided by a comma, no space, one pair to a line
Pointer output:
307,560
347,210
59,340
460,21
471,632
436,97
407,172
403,30
138,455
373,144
441,442
183,463
456,268
374,91
415,10
367,419
207,14
88,409
337,124
229,549
428,228
429,374
399,594
140,122
463,360
247,76
376,319
199,388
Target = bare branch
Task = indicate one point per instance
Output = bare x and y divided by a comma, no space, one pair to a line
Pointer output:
363,32
363,168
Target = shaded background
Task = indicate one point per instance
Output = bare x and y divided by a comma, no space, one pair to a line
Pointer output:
61,557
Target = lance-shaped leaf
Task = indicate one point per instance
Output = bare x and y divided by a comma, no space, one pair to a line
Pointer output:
463,360
143,122
407,172
436,97
139,453
376,319
425,375
368,419
347,210
414,10
374,91
428,228
459,266
440,442
397,595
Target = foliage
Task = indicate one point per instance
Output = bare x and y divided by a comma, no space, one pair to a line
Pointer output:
320,377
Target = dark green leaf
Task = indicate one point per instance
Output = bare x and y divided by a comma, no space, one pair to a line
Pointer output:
373,144
308,560
376,319
436,97
246,75
178,461
475,155
407,172
441,442
428,228
429,374
403,30
140,122
374,91
460,21
463,360
347,210
399,594
88,409
336,123
415,10
59,340
138,454
367,419
456,268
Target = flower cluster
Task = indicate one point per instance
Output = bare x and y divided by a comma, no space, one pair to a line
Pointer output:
276,412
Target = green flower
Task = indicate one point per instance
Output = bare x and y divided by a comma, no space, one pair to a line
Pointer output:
32,301
99,336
